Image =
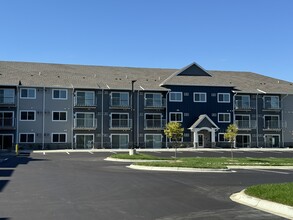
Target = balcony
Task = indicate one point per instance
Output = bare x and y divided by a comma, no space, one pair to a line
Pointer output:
117,103
85,124
245,124
151,103
244,105
7,102
272,106
272,125
154,124
120,124
7,123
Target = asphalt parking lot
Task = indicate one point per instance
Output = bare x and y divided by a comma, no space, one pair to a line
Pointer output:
84,186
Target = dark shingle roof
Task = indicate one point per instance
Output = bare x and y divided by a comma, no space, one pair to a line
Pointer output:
105,77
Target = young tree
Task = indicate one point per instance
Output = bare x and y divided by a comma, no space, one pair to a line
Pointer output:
174,131
230,135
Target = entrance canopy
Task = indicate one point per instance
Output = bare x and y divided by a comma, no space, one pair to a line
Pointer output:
204,123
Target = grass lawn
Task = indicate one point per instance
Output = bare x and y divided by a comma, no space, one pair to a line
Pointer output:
205,162
137,157
280,193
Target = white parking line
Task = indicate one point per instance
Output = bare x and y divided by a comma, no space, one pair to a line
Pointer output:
239,152
272,171
157,152
258,152
114,152
277,152
91,152
219,152
44,153
67,152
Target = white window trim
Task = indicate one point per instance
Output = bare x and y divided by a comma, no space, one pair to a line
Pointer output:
59,120
223,94
205,94
174,100
264,119
176,113
219,138
153,134
221,113
127,93
13,121
145,114
59,134
27,133
66,91
85,91
85,135
35,114
270,96
35,92
119,135
152,93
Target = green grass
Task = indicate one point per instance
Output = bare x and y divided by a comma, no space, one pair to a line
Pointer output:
204,162
280,193
137,157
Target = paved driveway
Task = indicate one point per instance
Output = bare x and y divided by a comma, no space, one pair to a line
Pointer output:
84,186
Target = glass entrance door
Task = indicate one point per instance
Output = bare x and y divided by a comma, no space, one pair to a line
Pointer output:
200,140
6,141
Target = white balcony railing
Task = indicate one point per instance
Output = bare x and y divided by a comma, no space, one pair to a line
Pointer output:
154,123
85,123
120,123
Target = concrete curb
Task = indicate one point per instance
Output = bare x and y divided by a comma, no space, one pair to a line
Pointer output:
264,205
180,169
131,160
261,167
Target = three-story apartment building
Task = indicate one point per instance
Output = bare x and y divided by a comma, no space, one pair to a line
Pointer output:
53,106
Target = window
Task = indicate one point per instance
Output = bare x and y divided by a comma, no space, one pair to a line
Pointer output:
271,102
59,138
27,93
153,140
224,117
120,141
84,120
27,138
6,119
120,120
271,122
199,97
7,96
120,99
221,137
84,141
242,121
223,97
176,116
242,101
60,94
59,116
175,97
243,140
153,100
153,121
85,98
272,140
27,115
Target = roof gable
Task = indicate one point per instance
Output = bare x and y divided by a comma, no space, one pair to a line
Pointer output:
193,70
203,121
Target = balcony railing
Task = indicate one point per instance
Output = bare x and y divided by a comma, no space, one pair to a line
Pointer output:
120,124
7,123
7,101
244,105
272,125
119,103
85,123
78,102
272,105
245,124
154,103
154,123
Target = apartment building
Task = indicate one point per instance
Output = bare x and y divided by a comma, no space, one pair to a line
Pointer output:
56,106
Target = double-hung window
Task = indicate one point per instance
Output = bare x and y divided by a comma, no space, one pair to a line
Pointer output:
224,97
27,137
271,102
85,120
59,94
199,97
27,93
175,97
120,120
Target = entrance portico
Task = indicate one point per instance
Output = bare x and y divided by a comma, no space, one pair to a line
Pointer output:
204,132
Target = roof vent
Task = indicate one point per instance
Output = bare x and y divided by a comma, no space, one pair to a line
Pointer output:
83,77
40,73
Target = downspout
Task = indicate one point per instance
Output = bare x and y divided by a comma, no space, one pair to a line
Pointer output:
102,120
72,116
167,94
137,119
233,112
17,114
282,115
44,106
256,115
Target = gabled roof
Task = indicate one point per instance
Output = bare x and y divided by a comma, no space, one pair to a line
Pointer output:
203,121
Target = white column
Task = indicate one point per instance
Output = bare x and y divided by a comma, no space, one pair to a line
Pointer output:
213,135
195,139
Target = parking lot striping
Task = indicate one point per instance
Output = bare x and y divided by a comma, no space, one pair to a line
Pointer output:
114,152
44,153
157,152
67,152
90,152
258,152
218,152
277,152
239,152
272,171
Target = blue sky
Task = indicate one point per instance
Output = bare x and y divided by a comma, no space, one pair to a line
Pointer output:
245,35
